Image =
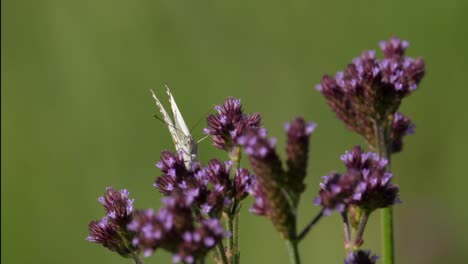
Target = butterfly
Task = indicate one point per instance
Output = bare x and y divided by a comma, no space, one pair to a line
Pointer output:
183,140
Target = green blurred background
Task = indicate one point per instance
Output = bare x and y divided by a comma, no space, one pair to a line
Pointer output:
77,115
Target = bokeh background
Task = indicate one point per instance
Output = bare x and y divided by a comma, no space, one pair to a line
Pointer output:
77,115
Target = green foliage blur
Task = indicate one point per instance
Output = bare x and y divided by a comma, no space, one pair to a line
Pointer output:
77,114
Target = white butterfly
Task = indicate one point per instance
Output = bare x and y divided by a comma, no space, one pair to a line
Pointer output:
180,133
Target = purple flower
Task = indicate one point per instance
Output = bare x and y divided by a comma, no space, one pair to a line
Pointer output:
211,188
176,178
106,233
361,257
358,160
217,173
229,124
118,206
162,229
243,181
174,228
336,192
297,150
277,191
365,184
401,126
374,189
261,205
111,231
195,244
271,177
220,191
369,91
175,174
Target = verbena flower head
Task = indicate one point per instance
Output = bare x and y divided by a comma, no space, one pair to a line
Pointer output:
361,257
277,190
369,91
174,228
217,175
400,127
336,192
111,230
212,188
374,189
118,206
230,123
198,242
365,184
175,174
297,150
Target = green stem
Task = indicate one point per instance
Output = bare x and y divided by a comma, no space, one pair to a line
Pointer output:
387,233
358,241
347,230
221,253
293,251
137,258
309,226
230,227
387,213
235,234
233,217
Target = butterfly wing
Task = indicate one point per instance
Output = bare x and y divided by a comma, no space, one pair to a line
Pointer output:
179,122
168,120
187,143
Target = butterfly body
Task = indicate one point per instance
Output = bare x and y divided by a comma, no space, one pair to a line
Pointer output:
180,133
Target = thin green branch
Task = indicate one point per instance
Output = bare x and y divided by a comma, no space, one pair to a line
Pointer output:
221,253
233,216
136,258
347,229
360,231
310,225
293,251
382,139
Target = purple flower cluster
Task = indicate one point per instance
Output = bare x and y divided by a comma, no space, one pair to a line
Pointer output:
174,228
365,184
400,127
111,230
276,190
297,150
370,90
211,187
361,257
226,126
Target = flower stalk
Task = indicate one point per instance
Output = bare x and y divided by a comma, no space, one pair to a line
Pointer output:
293,247
137,258
233,217
310,225
386,213
358,241
347,230
221,253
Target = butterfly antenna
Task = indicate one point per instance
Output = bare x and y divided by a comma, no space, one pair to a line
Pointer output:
160,119
203,138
